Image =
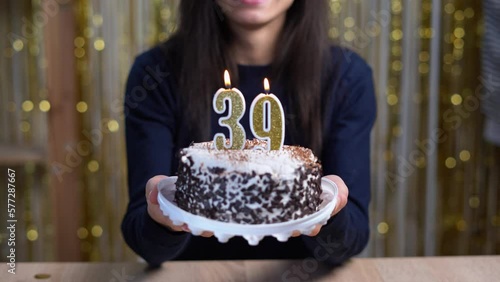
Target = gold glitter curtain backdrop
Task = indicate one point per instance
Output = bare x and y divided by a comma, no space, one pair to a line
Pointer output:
434,179
110,34
23,135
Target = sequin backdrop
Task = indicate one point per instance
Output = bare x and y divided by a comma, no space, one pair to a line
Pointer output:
435,181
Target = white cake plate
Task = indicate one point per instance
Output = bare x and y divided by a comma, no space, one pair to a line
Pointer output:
253,233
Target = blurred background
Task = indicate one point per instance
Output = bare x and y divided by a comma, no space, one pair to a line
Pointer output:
63,67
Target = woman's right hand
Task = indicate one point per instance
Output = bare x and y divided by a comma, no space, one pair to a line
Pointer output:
155,211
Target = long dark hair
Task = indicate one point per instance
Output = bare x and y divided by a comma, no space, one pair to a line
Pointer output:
199,53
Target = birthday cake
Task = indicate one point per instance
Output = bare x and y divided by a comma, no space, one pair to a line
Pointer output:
249,186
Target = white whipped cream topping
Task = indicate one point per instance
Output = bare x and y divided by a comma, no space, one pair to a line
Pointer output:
282,162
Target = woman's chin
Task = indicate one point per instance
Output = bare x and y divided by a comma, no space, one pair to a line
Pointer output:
249,19
254,13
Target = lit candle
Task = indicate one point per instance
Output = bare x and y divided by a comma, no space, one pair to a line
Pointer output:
267,119
236,101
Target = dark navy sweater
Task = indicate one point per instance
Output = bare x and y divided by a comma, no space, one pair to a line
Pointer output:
152,128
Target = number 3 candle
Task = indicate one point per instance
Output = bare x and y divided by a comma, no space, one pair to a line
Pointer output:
236,101
267,119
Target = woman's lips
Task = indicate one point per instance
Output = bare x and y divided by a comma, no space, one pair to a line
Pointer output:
252,2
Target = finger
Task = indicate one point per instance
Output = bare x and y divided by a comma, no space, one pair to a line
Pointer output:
207,234
172,227
340,183
343,193
152,189
315,231
185,228
153,196
342,203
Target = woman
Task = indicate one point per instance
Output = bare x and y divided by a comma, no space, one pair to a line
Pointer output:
327,93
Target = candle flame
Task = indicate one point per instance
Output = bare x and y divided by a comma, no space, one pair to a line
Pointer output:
227,79
266,85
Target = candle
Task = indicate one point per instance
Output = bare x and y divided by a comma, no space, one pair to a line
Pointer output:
236,110
267,119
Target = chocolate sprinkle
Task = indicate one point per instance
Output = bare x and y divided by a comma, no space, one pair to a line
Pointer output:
248,198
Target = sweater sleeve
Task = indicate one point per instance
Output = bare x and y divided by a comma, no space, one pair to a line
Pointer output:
491,71
150,127
347,154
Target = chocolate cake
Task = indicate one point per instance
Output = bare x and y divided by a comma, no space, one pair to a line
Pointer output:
250,186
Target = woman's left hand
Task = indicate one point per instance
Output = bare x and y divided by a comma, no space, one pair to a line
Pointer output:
341,203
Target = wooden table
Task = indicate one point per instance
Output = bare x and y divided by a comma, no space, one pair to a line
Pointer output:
479,268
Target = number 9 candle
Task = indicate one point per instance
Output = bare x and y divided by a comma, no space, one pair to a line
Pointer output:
236,101
267,119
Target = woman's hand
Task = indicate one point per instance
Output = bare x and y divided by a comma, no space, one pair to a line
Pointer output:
341,203
155,211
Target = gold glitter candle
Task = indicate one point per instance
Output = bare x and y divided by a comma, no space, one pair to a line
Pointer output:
267,119
236,110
